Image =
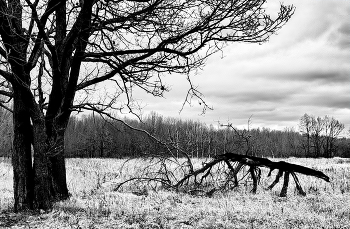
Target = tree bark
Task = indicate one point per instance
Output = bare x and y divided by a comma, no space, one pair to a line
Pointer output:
57,165
39,196
23,182
43,197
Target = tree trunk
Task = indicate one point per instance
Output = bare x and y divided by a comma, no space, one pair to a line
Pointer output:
308,145
59,187
36,184
21,159
42,192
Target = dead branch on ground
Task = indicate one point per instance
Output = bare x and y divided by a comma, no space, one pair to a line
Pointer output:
217,174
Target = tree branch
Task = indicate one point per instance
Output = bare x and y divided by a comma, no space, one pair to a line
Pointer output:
6,93
6,107
7,75
51,7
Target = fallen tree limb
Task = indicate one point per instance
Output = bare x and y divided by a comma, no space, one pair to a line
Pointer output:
280,165
254,163
220,174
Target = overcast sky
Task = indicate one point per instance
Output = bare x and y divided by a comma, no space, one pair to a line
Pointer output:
305,68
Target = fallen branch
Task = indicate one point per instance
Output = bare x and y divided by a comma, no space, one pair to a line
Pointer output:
254,164
282,166
217,174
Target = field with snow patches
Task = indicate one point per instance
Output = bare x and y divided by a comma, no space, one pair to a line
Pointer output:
94,204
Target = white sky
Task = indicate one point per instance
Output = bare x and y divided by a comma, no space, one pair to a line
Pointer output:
303,69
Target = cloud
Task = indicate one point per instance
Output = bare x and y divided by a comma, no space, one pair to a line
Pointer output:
326,96
305,68
313,19
328,77
341,37
253,94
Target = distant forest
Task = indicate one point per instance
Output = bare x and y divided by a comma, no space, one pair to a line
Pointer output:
93,136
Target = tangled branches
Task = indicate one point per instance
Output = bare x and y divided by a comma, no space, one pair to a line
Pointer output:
217,174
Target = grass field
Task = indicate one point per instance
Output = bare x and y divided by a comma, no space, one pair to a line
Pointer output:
94,204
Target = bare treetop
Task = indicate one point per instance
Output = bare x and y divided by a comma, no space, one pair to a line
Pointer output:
132,43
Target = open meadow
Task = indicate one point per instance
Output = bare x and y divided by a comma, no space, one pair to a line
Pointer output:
95,204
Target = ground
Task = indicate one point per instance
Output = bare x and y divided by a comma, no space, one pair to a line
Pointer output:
94,203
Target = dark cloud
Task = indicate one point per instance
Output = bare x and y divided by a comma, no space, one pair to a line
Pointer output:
343,39
315,76
344,29
327,77
254,95
261,109
277,116
344,43
332,99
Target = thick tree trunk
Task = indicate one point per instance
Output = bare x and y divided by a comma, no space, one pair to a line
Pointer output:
36,182
59,187
42,193
23,182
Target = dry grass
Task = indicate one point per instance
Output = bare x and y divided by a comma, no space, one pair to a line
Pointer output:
94,204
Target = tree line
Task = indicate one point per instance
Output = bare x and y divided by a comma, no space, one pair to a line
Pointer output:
92,136
320,135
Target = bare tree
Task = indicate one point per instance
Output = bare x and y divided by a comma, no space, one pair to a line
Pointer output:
321,134
317,128
57,56
305,126
332,129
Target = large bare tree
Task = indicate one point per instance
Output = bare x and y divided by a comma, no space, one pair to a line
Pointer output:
56,57
321,134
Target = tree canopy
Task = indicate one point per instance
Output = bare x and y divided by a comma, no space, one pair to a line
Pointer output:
56,54
72,46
